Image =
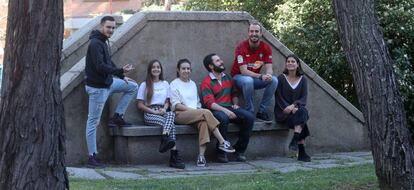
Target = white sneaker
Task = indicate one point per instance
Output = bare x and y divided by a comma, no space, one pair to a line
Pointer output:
226,147
201,161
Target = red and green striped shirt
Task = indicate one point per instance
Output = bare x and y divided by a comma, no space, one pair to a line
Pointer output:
214,92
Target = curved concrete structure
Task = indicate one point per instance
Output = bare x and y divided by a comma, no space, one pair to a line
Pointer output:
335,124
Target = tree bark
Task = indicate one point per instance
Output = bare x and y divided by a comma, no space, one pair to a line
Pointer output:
167,5
32,126
378,94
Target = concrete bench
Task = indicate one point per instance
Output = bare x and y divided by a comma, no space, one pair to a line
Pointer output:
138,144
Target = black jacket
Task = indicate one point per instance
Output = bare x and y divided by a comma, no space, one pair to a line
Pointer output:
99,67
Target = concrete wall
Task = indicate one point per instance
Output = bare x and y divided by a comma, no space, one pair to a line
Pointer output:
334,123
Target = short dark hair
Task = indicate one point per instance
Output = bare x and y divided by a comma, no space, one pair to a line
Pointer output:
257,24
181,61
105,18
299,70
208,60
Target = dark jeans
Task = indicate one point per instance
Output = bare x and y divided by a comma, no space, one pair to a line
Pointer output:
245,121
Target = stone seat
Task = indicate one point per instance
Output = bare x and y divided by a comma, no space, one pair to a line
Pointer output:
138,144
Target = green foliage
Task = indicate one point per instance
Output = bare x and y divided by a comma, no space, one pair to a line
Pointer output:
153,2
265,11
308,28
148,3
397,20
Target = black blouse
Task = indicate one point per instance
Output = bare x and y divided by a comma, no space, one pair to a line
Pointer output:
285,95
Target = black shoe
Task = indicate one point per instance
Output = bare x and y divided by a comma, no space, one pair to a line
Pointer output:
93,162
166,143
240,157
263,117
304,157
293,145
222,158
118,121
175,160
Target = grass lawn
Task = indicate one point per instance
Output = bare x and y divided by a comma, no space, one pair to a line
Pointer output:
357,177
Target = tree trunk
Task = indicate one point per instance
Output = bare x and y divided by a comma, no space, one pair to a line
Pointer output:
167,5
32,127
378,94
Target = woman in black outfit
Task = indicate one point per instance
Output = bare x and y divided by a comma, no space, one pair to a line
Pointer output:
290,104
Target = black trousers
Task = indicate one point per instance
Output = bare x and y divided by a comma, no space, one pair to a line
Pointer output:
244,121
300,117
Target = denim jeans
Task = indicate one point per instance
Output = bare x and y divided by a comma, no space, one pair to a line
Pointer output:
248,84
245,121
97,99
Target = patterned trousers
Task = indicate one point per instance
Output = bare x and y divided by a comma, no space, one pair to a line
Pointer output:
165,121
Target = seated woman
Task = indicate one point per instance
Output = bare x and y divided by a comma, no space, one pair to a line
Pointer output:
290,102
153,99
186,103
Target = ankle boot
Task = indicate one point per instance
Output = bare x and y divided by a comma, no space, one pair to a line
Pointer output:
293,145
302,154
175,160
166,143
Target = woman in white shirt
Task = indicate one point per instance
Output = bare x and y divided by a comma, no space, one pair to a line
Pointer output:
186,103
153,99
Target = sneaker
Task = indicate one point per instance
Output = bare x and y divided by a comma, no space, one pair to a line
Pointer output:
118,121
201,161
222,158
226,147
263,117
240,157
175,160
93,162
166,143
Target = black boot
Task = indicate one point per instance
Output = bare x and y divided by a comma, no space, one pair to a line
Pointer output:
175,160
118,121
166,143
293,145
302,154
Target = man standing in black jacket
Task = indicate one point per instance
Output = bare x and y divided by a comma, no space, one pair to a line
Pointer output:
100,84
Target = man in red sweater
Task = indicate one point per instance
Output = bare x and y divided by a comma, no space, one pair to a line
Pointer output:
220,97
250,57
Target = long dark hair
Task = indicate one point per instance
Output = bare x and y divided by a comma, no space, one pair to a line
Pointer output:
299,70
181,61
149,81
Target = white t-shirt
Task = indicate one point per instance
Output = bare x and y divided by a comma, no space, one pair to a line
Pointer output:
184,93
161,93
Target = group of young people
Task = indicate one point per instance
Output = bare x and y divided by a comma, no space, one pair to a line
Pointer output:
166,104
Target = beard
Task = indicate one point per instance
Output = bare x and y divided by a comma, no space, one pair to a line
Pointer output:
219,69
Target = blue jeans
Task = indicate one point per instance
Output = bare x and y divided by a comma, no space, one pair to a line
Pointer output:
248,84
97,99
245,121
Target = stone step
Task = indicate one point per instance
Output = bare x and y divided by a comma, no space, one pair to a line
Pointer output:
145,130
138,144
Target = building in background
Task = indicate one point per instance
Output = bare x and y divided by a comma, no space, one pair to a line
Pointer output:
76,12
79,12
